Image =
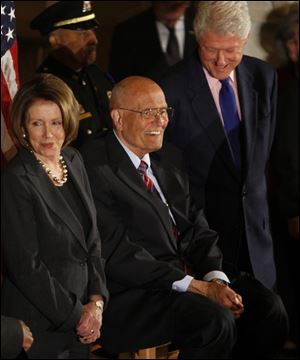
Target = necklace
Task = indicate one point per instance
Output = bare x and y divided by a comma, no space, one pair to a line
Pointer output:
54,178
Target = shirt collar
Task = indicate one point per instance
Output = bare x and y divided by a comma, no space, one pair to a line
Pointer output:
215,81
133,157
179,25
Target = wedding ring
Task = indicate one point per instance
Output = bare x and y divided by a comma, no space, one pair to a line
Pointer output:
92,331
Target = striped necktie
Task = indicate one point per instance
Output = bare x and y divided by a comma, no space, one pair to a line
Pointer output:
142,170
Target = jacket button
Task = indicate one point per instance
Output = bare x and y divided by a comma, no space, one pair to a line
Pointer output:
83,263
89,132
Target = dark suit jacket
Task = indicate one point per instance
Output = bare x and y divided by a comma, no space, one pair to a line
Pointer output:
285,154
136,48
143,258
51,267
11,337
235,204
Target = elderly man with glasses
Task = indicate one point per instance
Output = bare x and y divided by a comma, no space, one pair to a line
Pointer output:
163,267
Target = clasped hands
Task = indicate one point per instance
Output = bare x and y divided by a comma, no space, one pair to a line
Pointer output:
219,293
88,328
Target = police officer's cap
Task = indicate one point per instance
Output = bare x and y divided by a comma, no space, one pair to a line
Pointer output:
72,15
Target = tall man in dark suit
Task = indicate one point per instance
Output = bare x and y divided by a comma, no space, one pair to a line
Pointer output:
149,43
163,267
224,123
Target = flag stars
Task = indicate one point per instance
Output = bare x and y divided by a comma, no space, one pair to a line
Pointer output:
8,26
3,9
9,34
12,14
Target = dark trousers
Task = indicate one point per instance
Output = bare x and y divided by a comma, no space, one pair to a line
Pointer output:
140,318
202,329
77,351
262,329
199,327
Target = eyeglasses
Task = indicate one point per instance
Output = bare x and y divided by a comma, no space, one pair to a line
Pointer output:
151,114
232,51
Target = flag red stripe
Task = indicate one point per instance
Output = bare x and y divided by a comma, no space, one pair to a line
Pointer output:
5,99
14,54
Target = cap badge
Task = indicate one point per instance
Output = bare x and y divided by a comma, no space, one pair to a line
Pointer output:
86,6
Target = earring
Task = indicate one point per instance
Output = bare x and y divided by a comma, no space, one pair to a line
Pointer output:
24,135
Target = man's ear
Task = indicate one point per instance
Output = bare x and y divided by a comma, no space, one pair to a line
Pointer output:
54,40
117,119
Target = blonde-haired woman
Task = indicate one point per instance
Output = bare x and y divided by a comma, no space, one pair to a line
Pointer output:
54,274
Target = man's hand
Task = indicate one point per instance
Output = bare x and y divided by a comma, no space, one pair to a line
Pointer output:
220,293
27,336
88,328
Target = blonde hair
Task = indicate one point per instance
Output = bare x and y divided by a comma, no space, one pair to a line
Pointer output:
223,18
46,87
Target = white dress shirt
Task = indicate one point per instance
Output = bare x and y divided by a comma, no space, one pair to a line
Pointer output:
163,34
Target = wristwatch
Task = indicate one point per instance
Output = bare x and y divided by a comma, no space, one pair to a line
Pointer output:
220,281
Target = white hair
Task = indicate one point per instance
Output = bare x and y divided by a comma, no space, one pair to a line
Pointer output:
223,18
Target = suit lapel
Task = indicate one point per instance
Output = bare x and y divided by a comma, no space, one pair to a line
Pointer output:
151,38
76,174
189,40
170,187
52,196
126,172
248,102
202,102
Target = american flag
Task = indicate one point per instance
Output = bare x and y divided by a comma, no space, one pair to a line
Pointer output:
9,75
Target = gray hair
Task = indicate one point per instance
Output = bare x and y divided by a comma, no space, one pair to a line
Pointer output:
223,18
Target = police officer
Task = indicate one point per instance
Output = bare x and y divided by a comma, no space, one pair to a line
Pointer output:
70,29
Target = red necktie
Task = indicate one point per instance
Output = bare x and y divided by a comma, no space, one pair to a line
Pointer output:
142,170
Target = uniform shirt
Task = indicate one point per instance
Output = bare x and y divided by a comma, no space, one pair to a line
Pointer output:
92,89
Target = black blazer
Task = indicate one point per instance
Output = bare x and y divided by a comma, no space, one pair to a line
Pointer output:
235,204
143,258
51,267
11,337
136,48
